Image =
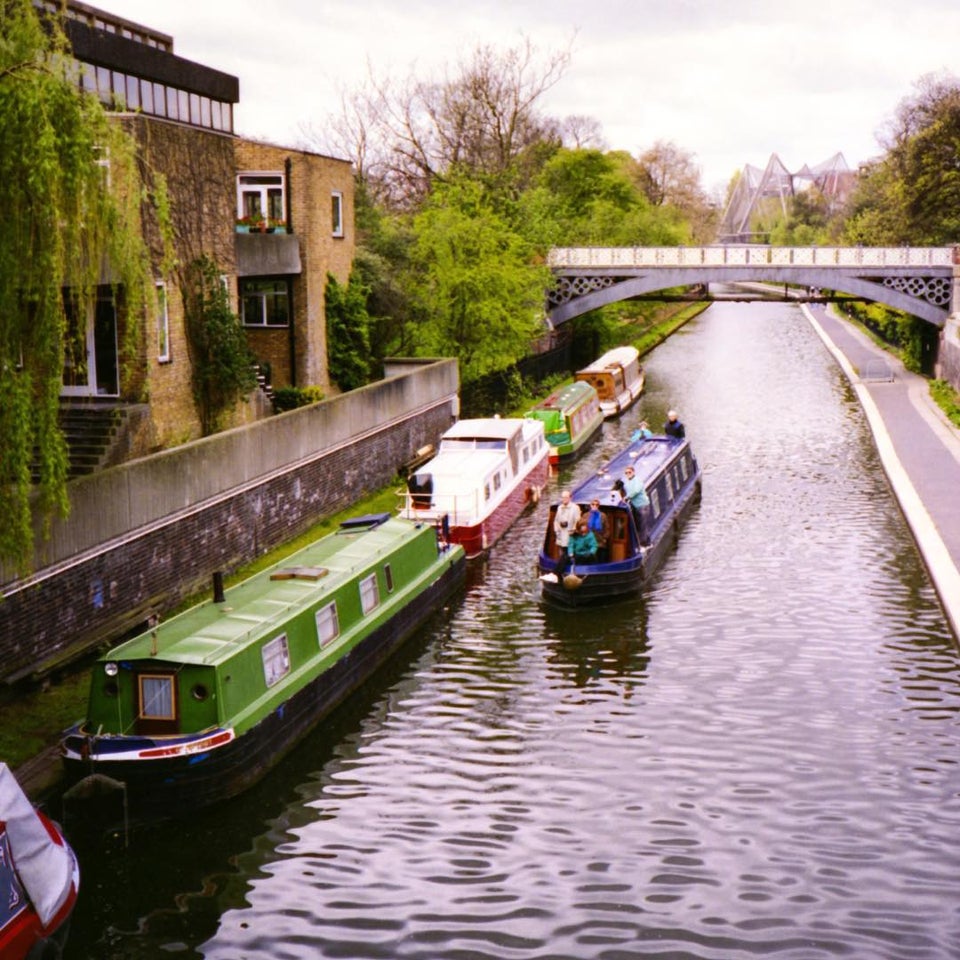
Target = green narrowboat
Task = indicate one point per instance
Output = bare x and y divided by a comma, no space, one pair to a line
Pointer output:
571,418
198,708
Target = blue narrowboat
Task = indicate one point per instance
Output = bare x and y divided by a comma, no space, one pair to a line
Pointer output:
672,479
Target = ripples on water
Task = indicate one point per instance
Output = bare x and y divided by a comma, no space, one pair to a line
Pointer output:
759,758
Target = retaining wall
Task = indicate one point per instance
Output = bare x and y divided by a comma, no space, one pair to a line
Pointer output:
143,536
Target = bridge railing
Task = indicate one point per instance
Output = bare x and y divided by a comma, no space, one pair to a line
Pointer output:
607,257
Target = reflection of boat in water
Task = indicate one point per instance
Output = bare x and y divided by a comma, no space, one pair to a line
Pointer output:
671,476
199,708
484,474
39,877
571,417
617,377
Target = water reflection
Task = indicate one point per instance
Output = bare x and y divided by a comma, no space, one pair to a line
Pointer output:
759,756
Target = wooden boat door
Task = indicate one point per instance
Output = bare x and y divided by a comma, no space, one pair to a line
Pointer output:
619,542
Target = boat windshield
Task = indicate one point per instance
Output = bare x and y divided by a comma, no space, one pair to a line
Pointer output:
469,443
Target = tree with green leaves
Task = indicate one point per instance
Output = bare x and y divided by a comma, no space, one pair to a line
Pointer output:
912,194
71,192
348,332
222,363
479,292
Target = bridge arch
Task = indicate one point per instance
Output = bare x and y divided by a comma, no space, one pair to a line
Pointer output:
919,281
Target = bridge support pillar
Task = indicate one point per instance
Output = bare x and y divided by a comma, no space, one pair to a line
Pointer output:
948,359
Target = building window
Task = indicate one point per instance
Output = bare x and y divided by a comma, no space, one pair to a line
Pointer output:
328,624
261,195
264,303
336,213
276,660
163,323
369,593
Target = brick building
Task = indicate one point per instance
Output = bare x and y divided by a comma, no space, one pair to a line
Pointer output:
275,221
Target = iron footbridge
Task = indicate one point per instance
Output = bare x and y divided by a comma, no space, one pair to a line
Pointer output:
922,281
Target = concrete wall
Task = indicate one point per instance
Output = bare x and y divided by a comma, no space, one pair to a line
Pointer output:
142,536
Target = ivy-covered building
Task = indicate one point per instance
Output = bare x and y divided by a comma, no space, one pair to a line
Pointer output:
274,220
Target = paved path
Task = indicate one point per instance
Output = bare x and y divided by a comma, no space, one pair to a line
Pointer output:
919,448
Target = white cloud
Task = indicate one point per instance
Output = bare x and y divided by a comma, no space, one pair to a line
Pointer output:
730,81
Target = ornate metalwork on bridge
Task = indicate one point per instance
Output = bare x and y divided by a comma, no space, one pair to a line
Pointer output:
935,290
919,280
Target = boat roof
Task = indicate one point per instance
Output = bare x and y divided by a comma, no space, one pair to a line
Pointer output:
485,428
648,456
618,355
569,395
211,633
467,467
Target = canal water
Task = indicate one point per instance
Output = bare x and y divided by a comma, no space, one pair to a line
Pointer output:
758,758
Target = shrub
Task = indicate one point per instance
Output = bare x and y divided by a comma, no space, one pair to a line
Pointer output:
289,398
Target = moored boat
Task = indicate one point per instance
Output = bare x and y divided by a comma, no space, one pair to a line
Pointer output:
200,707
571,417
671,477
39,877
486,471
617,377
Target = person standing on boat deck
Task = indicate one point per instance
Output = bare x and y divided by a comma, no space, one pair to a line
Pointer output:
642,432
598,523
636,495
673,427
564,523
583,544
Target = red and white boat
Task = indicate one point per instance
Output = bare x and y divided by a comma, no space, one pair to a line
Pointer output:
39,877
485,473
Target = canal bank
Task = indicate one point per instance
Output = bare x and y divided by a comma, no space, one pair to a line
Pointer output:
918,446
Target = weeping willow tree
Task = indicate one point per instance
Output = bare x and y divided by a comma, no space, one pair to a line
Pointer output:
70,196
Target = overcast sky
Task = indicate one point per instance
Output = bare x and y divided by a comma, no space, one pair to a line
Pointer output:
728,81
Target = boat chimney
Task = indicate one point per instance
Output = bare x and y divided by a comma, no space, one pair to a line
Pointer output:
218,596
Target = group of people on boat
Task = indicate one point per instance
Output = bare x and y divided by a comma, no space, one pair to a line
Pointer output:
582,537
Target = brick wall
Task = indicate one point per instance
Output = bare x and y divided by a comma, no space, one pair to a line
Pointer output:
84,601
310,180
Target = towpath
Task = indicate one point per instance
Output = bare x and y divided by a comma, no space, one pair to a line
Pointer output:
918,446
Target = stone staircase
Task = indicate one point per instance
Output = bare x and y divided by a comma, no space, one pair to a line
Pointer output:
92,431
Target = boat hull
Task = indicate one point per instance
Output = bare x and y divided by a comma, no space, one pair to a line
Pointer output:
477,538
624,400
601,583
164,787
568,452
39,878
672,479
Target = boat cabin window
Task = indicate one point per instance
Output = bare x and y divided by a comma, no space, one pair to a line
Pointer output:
276,659
328,624
486,491
157,697
470,443
655,503
496,481
388,577
526,454
369,593
683,468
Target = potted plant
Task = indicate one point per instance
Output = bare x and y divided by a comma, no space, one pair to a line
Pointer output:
253,223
